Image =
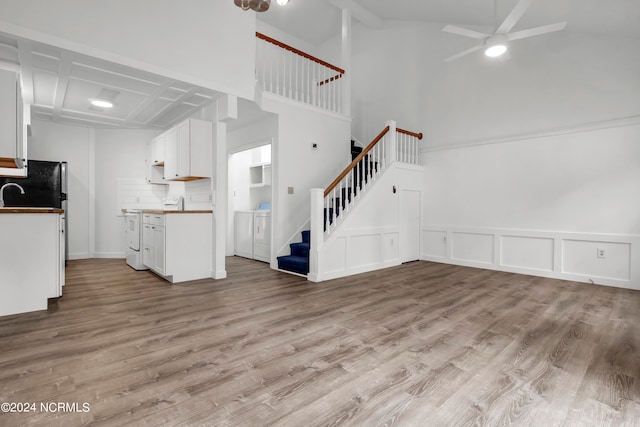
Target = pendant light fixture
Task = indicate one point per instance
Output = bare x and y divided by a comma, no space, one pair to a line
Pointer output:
257,5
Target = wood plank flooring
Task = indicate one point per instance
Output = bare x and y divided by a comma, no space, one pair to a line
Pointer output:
422,344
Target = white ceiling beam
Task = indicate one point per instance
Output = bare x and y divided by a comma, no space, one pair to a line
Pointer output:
360,13
146,103
64,71
26,70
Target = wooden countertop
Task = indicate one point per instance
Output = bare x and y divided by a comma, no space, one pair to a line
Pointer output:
11,210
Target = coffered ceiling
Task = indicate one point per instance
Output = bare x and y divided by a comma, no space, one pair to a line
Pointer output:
59,83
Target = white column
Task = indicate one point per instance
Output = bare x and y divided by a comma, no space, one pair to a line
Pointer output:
317,232
346,62
219,195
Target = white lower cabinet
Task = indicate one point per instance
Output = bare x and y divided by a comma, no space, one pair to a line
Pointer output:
177,245
253,234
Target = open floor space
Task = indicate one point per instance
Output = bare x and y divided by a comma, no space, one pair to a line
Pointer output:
419,344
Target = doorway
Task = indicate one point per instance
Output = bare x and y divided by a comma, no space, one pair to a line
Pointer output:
249,204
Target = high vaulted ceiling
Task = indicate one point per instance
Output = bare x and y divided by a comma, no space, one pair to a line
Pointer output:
316,21
59,83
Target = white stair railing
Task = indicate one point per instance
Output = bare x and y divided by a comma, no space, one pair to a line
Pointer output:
286,71
408,146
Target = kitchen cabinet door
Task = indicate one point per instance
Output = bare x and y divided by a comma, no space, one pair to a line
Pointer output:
171,154
13,126
188,148
148,256
159,249
183,150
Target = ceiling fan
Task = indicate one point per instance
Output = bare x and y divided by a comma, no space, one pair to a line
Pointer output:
257,5
497,44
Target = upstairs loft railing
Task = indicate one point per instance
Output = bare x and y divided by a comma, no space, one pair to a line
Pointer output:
286,71
390,145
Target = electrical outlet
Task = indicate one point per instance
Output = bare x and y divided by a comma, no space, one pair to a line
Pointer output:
601,253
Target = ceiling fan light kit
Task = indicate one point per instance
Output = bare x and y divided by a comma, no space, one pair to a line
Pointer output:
497,44
256,5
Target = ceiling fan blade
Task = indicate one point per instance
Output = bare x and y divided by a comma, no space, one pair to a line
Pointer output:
537,31
513,17
464,32
463,53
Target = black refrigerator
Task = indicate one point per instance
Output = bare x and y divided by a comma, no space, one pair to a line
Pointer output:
44,187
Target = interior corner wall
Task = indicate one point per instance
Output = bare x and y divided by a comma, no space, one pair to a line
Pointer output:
298,167
203,42
58,142
120,155
97,159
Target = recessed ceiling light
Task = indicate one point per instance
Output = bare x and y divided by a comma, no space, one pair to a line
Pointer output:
282,2
102,103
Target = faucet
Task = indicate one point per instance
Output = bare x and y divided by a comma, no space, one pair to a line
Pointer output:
9,184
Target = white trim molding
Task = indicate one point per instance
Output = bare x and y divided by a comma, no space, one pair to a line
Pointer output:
584,127
602,259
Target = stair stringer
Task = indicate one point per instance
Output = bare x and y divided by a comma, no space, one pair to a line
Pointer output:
368,237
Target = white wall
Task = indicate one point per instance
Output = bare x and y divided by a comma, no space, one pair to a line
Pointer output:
208,43
530,163
99,161
119,155
297,166
553,81
59,142
540,205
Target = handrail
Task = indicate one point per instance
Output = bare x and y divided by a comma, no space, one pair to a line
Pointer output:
406,132
355,161
299,52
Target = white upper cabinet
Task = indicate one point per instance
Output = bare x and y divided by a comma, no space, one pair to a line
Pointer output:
188,152
14,119
155,160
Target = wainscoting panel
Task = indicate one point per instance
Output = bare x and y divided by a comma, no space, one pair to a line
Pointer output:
603,259
597,259
337,255
434,243
535,253
364,250
390,247
474,247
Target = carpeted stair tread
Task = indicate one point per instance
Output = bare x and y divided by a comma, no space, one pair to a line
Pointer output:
297,264
300,249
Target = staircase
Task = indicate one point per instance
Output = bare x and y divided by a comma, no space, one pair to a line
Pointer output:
298,261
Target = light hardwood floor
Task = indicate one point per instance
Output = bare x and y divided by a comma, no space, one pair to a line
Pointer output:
423,344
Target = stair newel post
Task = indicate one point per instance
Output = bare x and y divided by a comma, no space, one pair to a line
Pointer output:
393,142
317,229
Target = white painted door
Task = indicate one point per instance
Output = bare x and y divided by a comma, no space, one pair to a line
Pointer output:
409,225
